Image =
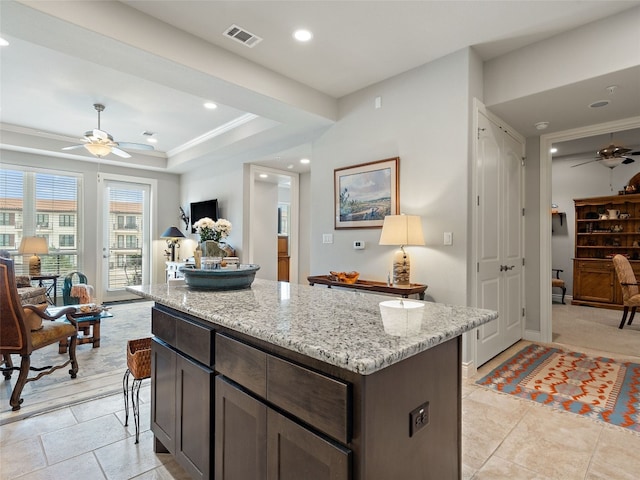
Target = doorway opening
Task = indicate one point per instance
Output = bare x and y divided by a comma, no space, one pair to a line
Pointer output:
546,200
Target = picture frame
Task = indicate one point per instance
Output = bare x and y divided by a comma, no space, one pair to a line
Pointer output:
364,194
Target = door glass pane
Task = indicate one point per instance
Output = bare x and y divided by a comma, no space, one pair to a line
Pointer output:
126,219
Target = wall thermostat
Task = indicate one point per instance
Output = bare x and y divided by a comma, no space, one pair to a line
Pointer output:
358,245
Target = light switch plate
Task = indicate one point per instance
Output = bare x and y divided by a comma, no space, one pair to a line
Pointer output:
448,238
327,238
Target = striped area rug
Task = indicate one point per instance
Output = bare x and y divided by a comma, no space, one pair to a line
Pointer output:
597,387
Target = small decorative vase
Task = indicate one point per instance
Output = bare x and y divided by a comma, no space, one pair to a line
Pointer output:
211,248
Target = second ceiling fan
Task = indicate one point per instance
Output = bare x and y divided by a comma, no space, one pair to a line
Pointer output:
612,156
100,143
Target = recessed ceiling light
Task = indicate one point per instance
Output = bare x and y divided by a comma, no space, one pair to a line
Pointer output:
264,175
305,160
554,150
3,42
541,125
210,105
152,140
302,35
599,103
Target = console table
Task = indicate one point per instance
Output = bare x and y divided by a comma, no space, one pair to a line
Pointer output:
371,286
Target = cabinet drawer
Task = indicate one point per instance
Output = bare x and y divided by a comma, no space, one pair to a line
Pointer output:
163,326
314,398
195,340
242,363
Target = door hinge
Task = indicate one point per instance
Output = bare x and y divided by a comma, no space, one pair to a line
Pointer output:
478,334
523,311
523,261
480,130
478,200
477,267
524,159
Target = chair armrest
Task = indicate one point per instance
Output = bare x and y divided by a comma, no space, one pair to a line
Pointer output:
44,315
557,270
629,284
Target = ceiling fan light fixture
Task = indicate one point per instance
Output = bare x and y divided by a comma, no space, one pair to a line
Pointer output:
612,162
98,149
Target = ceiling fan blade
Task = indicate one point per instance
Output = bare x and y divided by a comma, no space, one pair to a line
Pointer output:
120,153
584,163
73,147
135,146
628,160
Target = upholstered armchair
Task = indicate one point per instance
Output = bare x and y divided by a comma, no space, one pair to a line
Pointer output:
629,286
22,331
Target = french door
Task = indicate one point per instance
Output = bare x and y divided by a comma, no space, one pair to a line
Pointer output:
126,238
499,236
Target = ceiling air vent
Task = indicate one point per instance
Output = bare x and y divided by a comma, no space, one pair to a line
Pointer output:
241,35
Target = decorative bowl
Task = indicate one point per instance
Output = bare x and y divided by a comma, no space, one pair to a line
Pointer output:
345,277
229,278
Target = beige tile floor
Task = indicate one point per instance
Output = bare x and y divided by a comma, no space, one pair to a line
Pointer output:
503,438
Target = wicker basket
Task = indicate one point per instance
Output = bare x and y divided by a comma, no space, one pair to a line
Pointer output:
139,357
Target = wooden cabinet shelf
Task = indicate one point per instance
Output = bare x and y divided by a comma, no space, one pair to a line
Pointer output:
597,240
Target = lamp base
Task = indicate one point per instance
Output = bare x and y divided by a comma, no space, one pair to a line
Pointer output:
401,268
34,266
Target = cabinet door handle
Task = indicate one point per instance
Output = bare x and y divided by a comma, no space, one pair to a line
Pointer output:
509,268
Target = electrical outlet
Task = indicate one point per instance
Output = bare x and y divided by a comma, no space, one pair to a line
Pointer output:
418,418
358,244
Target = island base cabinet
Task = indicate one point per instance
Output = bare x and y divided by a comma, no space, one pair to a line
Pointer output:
181,419
254,441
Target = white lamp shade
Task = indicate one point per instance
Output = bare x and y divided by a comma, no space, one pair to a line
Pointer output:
402,230
33,245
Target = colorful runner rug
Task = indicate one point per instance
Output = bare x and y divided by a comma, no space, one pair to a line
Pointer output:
599,388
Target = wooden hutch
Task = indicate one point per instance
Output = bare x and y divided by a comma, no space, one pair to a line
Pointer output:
605,226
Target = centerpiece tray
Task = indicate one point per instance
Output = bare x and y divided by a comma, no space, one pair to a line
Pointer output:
225,278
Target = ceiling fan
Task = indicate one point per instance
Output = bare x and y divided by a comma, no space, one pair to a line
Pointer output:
100,143
612,156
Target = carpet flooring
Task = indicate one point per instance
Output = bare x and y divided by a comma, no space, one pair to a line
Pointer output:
100,369
597,387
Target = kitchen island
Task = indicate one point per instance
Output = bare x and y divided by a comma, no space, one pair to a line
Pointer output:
291,381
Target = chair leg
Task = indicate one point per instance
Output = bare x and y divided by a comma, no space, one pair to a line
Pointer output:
15,400
72,356
8,363
624,316
564,290
125,391
633,313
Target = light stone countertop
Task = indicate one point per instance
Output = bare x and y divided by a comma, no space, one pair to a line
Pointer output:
343,328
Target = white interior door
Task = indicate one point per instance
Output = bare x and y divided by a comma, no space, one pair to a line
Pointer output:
499,238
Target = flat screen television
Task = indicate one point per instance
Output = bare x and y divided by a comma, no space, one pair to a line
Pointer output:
208,208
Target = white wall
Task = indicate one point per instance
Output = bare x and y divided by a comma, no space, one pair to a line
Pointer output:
598,48
223,181
424,120
265,244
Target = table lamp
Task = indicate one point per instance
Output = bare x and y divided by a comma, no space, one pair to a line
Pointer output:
173,235
401,230
33,245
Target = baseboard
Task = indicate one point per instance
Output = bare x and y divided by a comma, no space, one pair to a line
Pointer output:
532,336
557,298
469,369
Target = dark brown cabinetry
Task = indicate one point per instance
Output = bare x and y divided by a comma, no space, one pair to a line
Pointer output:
283,258
181,417
605,226
281,415
276,446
